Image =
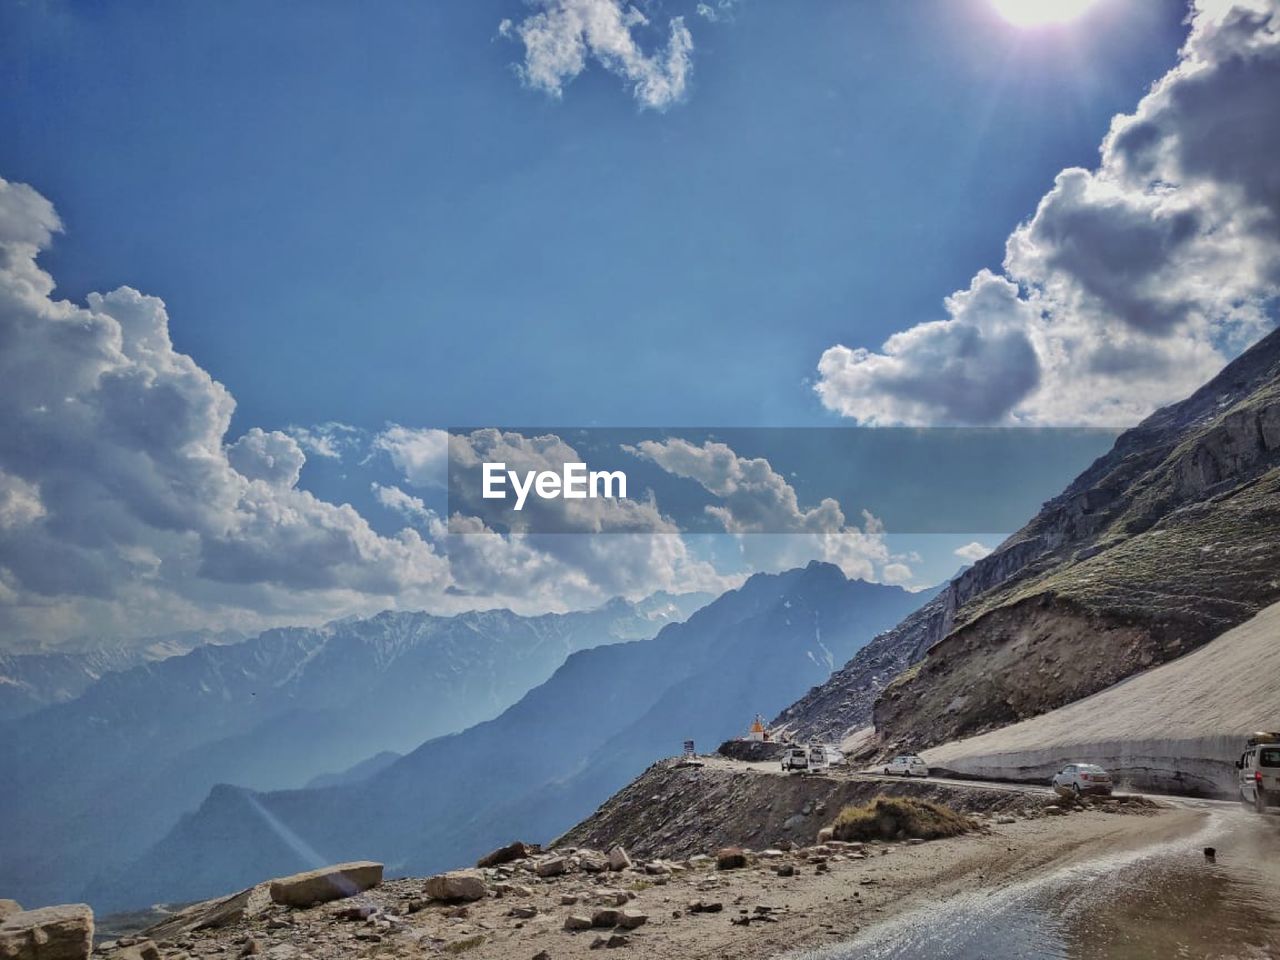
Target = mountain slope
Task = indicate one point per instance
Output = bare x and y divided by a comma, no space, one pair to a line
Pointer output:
1162,544
105,775
546,761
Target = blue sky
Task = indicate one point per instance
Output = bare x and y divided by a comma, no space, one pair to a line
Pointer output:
358,213
359,223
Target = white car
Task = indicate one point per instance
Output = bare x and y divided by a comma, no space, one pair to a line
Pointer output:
796,758
1081,778
907,765
1259,768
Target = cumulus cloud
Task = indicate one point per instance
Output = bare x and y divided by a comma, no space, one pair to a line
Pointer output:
564,35
123,503
1132,282
756,499
972,552
420,454
126,507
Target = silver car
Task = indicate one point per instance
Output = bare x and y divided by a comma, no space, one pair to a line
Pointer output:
1082,778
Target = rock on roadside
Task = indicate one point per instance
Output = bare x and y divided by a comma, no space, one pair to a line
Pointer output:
328,883
459,886
50,933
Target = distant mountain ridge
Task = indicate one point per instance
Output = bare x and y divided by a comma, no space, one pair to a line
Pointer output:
1163,543
106,774
32,678
546,761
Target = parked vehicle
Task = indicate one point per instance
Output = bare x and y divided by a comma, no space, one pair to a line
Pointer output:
907,765
796,758
1259,768
1082,778
818,759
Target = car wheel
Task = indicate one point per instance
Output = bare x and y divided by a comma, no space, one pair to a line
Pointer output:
1260,801
1075,788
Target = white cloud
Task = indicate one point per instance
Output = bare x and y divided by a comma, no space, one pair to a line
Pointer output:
755,499
1133,282
330,440
972,552
420,454
124,506
564,34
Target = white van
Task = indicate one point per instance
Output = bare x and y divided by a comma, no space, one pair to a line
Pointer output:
1259,768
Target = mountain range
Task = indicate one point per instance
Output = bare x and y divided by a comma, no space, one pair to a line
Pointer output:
109,772
546,761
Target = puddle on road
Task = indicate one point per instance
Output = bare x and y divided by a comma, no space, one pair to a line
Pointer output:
1169,903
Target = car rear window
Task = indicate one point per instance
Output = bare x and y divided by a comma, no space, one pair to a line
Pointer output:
1269,757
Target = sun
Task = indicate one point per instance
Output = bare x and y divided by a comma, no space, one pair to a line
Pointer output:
1030,13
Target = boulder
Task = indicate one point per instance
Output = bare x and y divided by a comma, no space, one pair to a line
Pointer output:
459,886
508,854
577,922
618,859
592,862
730,858
328,883
552,868
606,917
630,919
826,834
50,933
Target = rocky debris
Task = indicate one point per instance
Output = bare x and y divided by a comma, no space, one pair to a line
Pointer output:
456,887
327,883
49,933
138,950
508,854
576,921
705,906
618,859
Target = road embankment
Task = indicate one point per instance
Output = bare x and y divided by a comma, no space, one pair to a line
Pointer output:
1177,728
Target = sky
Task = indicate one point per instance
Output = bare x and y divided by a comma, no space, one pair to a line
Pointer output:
358,224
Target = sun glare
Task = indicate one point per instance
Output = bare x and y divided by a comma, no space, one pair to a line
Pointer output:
1030,13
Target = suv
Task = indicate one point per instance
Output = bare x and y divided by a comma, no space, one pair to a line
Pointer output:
1259,768
796,758
907,765
1078,778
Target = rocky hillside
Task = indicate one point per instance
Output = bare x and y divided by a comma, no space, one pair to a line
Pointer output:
677,809
547,761
836,710
108,773
1162,544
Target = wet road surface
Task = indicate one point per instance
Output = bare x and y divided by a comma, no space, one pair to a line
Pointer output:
1163,902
